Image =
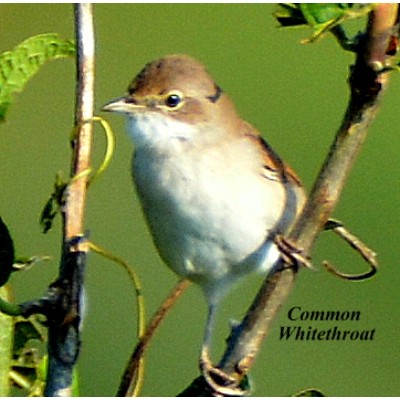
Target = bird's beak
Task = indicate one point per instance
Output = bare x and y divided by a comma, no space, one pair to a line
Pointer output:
119,105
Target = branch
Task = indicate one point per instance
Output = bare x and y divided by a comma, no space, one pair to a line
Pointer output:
366,88
65,294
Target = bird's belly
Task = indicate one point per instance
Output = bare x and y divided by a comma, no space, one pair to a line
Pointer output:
207,225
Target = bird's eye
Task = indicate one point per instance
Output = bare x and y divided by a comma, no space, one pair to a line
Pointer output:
173,100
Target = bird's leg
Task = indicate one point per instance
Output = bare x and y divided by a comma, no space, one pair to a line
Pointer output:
205,360
218,380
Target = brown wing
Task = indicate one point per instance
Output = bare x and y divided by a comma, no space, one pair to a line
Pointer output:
273,164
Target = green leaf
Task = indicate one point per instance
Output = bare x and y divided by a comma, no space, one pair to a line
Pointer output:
23,62
6,343
318,14
6,253
322,17
24,330
29,357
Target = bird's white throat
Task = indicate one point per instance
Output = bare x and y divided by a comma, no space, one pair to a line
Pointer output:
155,130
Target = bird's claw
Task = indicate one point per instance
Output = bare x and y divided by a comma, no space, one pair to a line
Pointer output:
291,254
220,382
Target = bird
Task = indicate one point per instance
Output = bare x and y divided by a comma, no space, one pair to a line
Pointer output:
214,193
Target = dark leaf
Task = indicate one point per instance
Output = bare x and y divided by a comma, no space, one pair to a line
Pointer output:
310,393
289,14
52,206
49,212
6,253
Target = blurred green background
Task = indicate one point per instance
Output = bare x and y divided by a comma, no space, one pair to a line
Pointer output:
296,95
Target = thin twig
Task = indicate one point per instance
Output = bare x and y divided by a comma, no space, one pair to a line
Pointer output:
136,377
361,248
140,305
130,380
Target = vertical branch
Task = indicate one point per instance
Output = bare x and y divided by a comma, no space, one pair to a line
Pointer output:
366,88
82,141
66,293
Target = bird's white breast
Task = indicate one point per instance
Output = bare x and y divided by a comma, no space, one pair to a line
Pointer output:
209,207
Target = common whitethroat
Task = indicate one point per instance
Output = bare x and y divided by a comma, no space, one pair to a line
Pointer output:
214,193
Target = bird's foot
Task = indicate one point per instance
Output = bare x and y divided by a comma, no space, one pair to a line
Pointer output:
291,254
220,382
